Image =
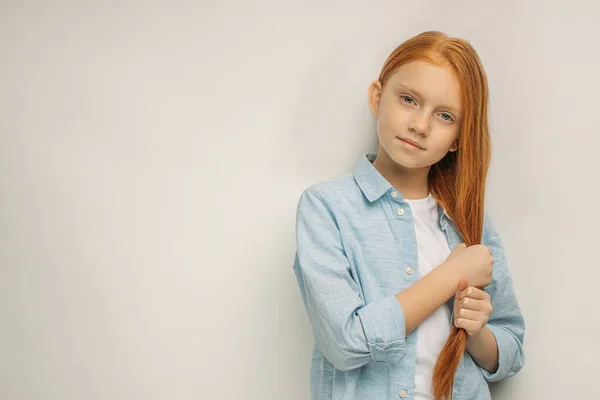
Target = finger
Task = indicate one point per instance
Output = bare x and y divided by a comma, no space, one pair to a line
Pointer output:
462,285
456,303
471,315
474,304
474,293
468,325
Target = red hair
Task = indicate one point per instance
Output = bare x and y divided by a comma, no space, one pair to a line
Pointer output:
457,181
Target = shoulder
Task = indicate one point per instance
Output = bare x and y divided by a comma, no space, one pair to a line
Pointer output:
335,193
491,238
320,211
489,234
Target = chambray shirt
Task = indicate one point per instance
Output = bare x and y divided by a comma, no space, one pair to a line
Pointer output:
356,249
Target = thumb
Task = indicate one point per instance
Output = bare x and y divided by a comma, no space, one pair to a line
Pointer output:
462,285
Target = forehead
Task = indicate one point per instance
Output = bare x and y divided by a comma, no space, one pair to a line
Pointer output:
437,85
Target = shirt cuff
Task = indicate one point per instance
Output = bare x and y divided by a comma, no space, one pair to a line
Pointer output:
385,329
507,349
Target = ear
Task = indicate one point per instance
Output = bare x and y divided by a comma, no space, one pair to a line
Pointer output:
454,146
375,89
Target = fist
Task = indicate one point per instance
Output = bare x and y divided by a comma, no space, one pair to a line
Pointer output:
474,263
472,308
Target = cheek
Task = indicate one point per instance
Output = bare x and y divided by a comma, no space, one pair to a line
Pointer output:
447,135
393,118
441,140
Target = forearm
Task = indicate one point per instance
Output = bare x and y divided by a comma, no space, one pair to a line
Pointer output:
484,349
423,297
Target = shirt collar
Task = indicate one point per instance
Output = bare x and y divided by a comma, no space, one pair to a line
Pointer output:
374,185
370,181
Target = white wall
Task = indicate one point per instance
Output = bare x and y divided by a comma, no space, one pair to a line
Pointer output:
151,158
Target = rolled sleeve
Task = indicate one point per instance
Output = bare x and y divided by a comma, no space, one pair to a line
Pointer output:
385,329
348,332
510,357
506,321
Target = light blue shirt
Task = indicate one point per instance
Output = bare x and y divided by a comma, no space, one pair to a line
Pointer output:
356,249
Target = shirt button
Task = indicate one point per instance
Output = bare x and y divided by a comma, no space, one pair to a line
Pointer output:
394,194
400,211
403,393
409,271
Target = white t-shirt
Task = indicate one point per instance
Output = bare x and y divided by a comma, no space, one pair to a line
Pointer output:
432,333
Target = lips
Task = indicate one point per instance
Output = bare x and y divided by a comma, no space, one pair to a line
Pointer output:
411,142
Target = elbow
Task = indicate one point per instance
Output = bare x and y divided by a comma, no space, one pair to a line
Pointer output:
519,361
372,333
345,357
342,357
344,364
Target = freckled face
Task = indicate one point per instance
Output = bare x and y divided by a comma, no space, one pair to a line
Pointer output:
420,103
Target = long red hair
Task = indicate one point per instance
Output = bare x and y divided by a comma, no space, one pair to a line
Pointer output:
457,181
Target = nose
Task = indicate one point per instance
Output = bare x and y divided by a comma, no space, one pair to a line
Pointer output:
419,123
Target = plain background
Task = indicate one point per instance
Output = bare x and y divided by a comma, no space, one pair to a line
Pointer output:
151,159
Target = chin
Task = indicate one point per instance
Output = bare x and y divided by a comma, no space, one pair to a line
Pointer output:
401,161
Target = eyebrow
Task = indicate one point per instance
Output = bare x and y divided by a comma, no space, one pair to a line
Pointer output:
403,86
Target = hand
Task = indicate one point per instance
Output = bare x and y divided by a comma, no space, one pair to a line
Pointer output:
474,263
472,308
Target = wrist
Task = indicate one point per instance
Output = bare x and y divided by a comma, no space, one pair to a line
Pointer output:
472,340
447,276
483,347
451,273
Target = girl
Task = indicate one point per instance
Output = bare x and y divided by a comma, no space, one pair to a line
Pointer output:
401,272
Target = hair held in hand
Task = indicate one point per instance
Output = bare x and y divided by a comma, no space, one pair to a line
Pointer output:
457,181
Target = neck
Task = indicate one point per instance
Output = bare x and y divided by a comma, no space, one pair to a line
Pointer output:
411,183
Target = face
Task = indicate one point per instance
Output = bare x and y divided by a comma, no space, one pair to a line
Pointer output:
420,103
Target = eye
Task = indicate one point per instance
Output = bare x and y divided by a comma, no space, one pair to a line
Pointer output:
449,117
408,99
